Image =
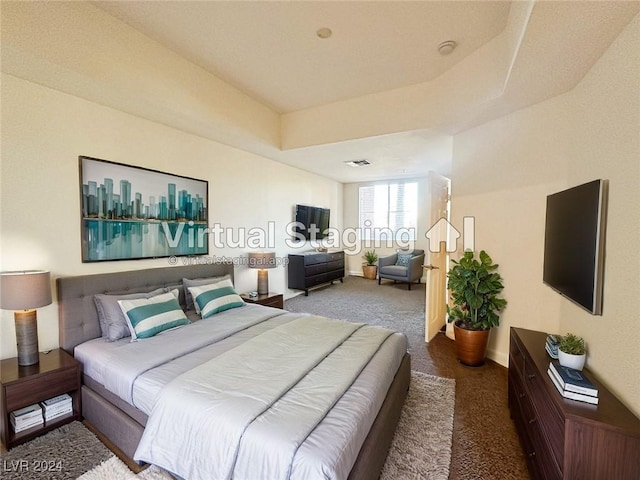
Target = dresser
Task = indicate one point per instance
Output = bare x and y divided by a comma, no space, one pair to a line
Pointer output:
563,438
309,269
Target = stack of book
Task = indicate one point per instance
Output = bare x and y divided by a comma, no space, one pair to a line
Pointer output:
26,418
552,345
573,383
57,407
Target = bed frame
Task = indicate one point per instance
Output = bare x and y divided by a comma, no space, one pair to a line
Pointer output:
123,424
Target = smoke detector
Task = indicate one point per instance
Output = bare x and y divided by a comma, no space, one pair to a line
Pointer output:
445,48
358,163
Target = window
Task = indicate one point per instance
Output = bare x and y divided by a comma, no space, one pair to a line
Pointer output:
389,210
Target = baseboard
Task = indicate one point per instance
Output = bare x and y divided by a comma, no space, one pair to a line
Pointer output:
498,357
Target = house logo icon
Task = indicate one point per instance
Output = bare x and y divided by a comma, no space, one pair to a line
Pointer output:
443,232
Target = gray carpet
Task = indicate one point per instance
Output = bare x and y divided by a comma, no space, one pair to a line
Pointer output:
64,453
360,300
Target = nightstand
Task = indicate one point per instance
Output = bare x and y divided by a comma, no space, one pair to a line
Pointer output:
55,374
275,300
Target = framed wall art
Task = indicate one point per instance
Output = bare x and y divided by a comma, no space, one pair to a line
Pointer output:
133,212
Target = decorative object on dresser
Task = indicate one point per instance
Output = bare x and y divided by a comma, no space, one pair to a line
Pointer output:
25,291
572,352
370,269
55,374
262,261
572,384
309,269
270,299
564,438
551,346
474,285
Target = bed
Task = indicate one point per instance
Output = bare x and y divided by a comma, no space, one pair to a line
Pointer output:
122,415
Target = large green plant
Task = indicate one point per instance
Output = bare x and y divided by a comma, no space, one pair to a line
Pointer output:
474,285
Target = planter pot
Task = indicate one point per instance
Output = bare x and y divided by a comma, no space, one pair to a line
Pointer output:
471,345
370,271
572,361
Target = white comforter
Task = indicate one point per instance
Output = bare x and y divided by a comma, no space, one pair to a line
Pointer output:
246,413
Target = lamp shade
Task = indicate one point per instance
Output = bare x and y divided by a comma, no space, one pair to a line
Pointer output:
262,260
24,290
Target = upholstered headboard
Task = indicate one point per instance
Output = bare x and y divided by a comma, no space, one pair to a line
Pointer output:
78,317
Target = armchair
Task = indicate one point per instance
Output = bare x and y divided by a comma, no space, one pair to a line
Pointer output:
388,267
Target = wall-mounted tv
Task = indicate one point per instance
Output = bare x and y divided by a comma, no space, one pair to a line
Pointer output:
307,218
574,244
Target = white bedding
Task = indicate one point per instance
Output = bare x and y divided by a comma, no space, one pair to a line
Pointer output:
328,451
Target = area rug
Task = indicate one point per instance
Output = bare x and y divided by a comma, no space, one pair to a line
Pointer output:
64,453
421,447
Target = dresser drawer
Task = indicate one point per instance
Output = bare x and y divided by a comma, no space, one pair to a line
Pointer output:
315,280
336,256
40,388
311,270
337,265
547,412
316,258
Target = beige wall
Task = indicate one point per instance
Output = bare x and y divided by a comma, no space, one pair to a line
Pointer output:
502,172
44,131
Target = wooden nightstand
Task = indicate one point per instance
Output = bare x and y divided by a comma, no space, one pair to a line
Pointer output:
57,373
270,299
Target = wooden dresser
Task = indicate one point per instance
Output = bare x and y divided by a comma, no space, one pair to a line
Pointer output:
308,269
565,438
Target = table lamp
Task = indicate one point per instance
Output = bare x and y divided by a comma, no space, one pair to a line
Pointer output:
25,291
262,261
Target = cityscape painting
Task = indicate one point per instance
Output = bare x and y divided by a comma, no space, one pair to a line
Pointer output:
133,213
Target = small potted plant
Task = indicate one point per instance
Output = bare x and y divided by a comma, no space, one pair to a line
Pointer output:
474,286
370,269
572,352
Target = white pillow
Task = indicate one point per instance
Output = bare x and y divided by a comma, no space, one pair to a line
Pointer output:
147,317
215,298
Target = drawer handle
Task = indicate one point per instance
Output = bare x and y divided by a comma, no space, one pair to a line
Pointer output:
533,420
522,395
532,454
531,376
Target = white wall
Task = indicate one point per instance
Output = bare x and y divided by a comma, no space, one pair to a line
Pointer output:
44,131
502,172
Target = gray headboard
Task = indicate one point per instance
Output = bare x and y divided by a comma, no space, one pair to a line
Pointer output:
78,317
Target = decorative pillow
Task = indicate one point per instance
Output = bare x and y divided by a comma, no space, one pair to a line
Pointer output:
216,298
197,282
403,259
147,317
112,321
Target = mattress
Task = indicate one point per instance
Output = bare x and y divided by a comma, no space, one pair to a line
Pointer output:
159,360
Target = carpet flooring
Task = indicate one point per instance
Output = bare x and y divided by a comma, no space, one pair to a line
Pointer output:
485,443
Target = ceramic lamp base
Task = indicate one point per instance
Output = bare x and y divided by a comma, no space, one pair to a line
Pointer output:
263,281
27,337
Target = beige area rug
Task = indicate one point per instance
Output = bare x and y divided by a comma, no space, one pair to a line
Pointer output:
421,447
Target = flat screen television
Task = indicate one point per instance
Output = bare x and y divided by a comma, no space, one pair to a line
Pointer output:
306,217
574,244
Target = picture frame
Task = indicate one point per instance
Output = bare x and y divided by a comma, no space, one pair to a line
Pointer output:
131,213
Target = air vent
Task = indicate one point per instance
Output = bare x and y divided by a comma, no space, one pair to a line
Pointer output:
358,163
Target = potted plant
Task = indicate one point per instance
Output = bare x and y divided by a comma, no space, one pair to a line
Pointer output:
370,269
572,351
474,286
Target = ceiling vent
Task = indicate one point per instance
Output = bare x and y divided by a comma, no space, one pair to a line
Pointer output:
358,163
